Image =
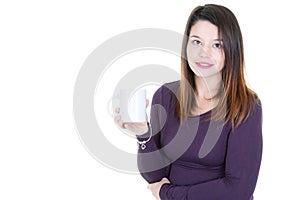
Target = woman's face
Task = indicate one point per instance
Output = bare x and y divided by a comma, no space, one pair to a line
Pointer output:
205,52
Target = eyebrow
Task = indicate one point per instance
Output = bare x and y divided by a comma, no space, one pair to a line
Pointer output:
196,36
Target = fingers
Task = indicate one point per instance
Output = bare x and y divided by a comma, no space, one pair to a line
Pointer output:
147,103
153,188
165,180
118,119
137,128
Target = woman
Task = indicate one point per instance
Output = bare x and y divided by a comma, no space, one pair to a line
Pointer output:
211,114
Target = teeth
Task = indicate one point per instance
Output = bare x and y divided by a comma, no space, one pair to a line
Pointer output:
204,64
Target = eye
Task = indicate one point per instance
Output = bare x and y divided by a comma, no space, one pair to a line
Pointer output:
196,42
218,45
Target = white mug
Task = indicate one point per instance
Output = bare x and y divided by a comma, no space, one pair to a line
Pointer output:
132,106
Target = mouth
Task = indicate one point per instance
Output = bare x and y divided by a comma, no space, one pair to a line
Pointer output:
204,65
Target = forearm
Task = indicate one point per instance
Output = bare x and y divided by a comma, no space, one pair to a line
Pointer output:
243,159
220,189
152,163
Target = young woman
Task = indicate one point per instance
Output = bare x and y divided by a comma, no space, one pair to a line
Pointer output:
206,129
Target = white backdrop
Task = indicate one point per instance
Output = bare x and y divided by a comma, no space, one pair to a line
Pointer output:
42,48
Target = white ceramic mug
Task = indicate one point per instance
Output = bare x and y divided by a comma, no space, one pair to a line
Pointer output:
132,106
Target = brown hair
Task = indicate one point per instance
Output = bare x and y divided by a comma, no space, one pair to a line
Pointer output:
235,98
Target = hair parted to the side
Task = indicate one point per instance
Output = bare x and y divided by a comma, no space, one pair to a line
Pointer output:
236,100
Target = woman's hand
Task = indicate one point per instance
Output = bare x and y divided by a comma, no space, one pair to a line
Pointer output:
155,187
136,128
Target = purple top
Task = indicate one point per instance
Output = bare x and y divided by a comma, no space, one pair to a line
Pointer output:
204,160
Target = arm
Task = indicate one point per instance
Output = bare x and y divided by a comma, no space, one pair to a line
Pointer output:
152,163
242,165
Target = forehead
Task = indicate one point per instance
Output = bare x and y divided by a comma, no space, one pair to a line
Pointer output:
204,29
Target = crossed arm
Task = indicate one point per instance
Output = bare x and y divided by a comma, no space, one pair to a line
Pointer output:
243,158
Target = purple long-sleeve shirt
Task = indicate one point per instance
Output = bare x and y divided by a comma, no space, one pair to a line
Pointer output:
204,160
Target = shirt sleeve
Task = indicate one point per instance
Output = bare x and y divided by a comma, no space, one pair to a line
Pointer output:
243,159
152,162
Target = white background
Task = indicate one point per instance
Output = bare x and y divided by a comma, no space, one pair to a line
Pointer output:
42,47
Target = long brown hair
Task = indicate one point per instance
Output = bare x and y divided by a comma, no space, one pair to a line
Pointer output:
235,99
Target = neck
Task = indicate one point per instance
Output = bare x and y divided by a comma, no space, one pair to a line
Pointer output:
207,87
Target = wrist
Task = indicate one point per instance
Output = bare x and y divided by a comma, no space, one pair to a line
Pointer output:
163,190
143,133
144,138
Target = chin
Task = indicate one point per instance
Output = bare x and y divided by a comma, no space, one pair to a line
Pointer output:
203,73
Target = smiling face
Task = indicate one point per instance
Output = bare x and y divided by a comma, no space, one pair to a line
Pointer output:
205,52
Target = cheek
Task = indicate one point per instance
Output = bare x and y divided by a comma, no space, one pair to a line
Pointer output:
220,60
191,52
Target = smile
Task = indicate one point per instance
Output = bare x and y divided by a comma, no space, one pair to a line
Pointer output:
204,65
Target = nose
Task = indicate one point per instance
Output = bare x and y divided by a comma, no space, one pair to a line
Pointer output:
204,51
